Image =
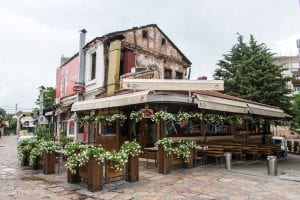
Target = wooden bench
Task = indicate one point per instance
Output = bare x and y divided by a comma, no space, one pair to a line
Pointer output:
251,150
265,150
276,149
216,152
235,149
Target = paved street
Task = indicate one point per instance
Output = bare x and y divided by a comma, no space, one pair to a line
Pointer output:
245,181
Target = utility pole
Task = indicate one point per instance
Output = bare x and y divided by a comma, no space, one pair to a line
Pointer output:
41,104
16,109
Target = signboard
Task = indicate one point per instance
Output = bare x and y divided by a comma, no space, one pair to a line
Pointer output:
147,113
79,89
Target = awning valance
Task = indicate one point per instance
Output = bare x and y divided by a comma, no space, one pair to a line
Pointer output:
234,106
113,101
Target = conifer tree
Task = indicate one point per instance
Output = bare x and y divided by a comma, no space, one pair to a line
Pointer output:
249,72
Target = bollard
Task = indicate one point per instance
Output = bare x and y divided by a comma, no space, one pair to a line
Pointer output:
272,165
228,157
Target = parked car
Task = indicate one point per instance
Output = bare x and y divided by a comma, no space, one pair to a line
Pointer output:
26,137
283,144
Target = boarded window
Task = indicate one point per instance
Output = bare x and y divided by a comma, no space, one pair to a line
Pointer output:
145,34
179,75
128,61
93,70
168,74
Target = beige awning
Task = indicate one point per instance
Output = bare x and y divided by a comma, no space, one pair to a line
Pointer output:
113,101
234,106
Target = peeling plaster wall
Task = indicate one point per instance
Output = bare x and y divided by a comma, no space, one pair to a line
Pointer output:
150,51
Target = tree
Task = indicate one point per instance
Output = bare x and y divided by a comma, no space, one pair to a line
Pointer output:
2,113
296,112
249,72
49,98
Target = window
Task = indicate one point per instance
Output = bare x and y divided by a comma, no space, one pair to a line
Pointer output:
145,34
71,128
179,75
163,41
168,74
107,128
93,69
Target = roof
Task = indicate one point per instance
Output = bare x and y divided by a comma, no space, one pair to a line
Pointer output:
112,34
226,96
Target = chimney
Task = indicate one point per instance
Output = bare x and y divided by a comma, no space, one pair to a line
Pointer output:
63,60
202,78
113,78
81,71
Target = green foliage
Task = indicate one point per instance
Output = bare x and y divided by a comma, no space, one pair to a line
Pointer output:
40,147
49,98
183,149
78,155
248,71
43,133
2,113
118,159
24,147
131,148
296,112
167,144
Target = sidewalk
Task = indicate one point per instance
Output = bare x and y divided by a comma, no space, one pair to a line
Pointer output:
243,182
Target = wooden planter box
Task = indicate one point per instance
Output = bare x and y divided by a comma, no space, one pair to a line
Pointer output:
47,161
93,172
110,173
165,162
132,169
175,160
25,160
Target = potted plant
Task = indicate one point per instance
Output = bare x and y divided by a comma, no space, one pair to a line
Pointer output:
132,149
24,149
184,150
84,161
116,161
165,150
44,154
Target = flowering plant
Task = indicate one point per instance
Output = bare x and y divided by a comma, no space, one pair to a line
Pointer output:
121,117
183,149
24,147
162,115
78,155
41,147
167,144
131,148
136,116
117,159
182,116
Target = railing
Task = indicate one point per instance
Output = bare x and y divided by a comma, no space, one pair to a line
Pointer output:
147,74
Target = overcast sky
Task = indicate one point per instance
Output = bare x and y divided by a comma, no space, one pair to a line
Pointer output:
34,33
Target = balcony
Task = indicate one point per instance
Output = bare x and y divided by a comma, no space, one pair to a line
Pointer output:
152,73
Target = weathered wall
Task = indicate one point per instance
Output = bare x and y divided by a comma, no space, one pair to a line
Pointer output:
66,77
151,52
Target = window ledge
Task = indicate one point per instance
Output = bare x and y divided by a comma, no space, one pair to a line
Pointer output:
91,82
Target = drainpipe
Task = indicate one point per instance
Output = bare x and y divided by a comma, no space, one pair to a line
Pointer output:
81,71
81,76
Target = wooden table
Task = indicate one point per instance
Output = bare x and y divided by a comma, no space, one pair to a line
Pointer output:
152,150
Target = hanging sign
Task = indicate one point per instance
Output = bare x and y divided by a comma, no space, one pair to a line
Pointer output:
147,113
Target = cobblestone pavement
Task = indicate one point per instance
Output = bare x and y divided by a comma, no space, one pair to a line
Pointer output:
245,181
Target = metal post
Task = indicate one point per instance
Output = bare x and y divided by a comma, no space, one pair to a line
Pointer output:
272,165
228,158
